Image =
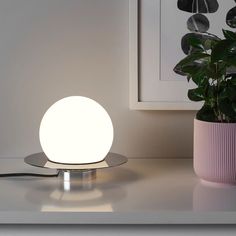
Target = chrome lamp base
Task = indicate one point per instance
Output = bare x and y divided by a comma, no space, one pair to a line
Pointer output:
72,179
75,176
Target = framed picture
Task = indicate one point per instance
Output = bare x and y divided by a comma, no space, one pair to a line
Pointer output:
158,29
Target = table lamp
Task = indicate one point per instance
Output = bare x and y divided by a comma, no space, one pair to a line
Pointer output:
76,134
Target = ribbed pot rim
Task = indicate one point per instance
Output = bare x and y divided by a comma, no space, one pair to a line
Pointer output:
214,123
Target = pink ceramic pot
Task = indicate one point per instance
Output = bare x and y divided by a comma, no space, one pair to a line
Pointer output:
215,151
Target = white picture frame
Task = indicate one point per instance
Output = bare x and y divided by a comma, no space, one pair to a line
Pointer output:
134,62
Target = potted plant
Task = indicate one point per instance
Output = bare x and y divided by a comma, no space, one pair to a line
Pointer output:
211,66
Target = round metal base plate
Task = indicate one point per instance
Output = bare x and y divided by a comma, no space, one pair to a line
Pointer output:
74,175
41,160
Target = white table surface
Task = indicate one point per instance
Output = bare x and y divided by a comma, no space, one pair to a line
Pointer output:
143,191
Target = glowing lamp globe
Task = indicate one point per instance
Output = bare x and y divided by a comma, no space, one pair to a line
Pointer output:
76,130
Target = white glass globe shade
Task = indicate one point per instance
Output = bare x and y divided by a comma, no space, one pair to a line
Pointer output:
76,130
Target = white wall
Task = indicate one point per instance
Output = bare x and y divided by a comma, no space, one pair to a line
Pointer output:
50,49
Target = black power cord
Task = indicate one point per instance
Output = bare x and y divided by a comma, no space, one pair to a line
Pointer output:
28,174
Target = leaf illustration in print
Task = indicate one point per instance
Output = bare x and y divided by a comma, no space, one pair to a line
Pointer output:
198,6
185,42
198,23
231,18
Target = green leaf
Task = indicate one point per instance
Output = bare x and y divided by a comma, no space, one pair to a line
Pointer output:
194,68
227,91
224,94
231,60
200,79
234,106
196,43
210,92
196,94
224,50
190,69
193,58
232,93
226,107
216,70
211,71
229,34
210,43
206,113
233,80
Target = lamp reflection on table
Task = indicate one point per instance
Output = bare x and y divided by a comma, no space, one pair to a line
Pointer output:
85,196
214,197
76,201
